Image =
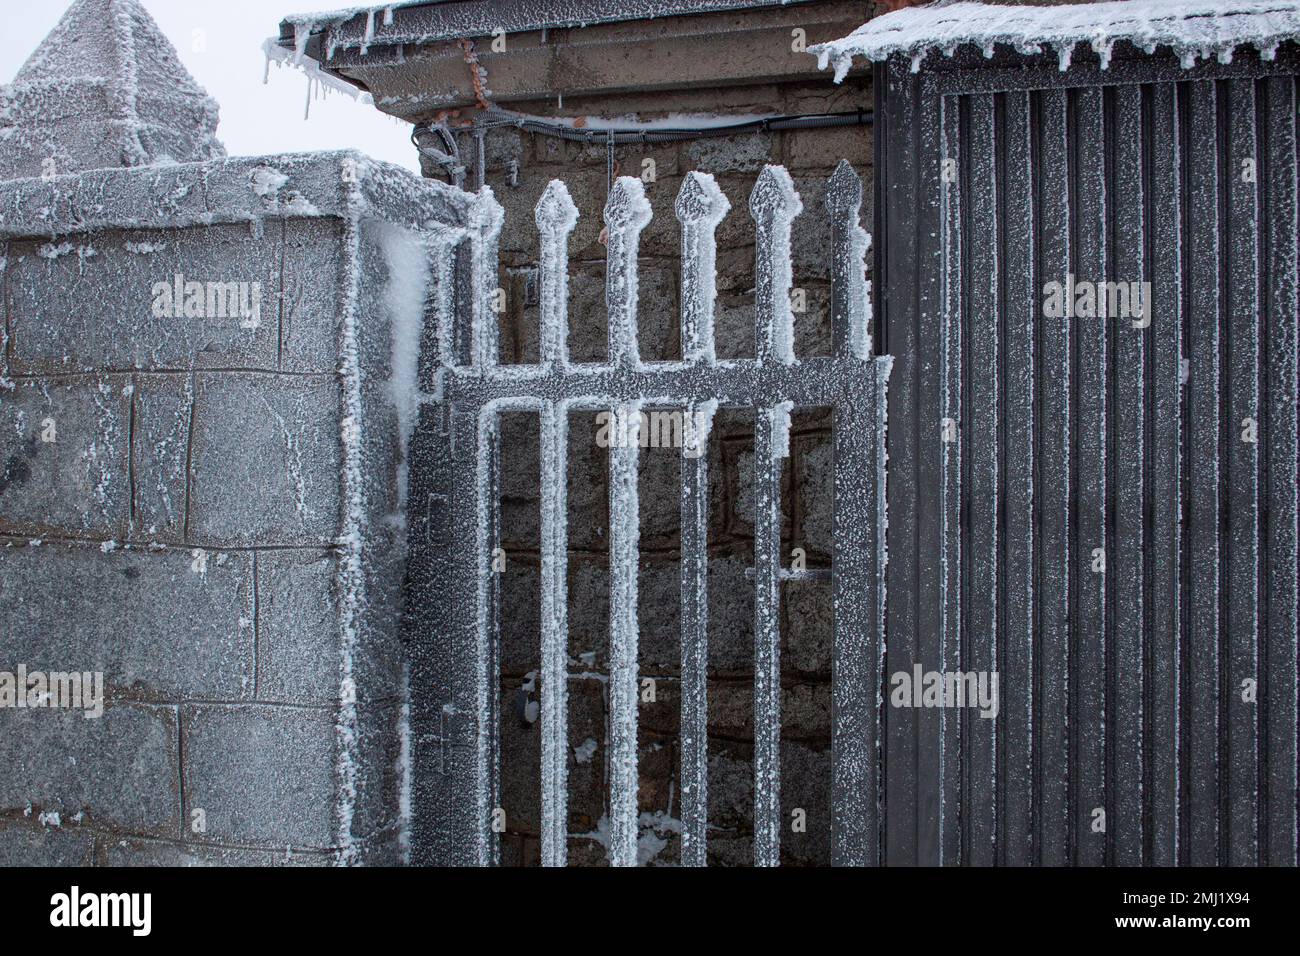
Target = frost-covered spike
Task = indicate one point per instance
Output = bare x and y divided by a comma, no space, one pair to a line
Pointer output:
850,305
626,213
771,431
624,544
556,216
701,206
695,633
774,205
485,219
555,633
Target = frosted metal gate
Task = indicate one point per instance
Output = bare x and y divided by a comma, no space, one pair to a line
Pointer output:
455,469
1112,525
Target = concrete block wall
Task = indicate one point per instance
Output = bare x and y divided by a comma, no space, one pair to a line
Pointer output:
518,168
182,504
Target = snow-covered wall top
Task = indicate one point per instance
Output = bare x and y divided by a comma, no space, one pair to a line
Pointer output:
247,189
1191,28
428,21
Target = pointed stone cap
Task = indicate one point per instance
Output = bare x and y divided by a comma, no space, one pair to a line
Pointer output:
105,89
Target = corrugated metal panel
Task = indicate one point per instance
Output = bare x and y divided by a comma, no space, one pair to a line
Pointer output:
1102,513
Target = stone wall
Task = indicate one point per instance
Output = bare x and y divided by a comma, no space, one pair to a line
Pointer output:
519,166
185,500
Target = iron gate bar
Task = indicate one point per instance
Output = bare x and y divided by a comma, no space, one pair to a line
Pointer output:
851,382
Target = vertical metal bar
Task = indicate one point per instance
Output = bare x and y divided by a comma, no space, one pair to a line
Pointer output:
945,435
927,645
1129,571
624,542
1278,689
1016,664
771,446
555,633
1090,501
556,216
774,204
701,206
695,634
981,500
626,214
1166,496
1244,435
856,542
1055,455
1204,395
486,624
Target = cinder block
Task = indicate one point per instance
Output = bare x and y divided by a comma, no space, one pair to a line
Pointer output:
806,785
63,457
822,150
815,483
586,775
808,639
731,154
121,769
266,462
27,843
263,774
163,406
133,852
310,313
154,625
107,302
298,627
810,236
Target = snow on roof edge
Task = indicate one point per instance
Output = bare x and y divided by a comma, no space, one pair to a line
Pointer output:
1191,28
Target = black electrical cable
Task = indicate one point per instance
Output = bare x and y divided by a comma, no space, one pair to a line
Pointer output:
499,119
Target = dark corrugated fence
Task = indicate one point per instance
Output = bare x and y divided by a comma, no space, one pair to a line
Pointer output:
1101,510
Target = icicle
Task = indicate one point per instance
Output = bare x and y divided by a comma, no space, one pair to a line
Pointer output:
388,16
301,34
1064,53
370,32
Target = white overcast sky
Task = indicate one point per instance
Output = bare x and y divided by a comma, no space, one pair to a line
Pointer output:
220,43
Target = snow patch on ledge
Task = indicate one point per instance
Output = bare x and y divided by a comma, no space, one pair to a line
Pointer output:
1193,29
